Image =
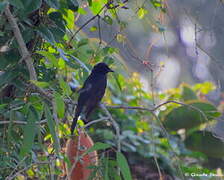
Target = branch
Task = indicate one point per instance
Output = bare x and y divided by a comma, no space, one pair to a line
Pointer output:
21,122
23,50
86,23
95,121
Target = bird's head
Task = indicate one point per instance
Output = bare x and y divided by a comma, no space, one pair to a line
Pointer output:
101,68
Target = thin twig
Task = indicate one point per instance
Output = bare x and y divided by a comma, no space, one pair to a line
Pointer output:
95,121
99,29
86,23
21,122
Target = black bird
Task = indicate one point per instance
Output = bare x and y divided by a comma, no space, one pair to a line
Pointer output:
92,92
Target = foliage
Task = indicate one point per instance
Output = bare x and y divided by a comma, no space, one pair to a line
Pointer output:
34,128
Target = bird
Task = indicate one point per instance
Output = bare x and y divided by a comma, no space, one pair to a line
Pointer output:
92,92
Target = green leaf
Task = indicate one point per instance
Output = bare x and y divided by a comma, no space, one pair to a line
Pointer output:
2,6
61,63
82,42
82,11
46,34
60,105
41,84
69,17
9,59
50,57
97,146
30,5
123,164
156,3
187,117
205,87
73,5
7,77
58,33
205,142
188,93
51,124
16,3
141,13
97,6
53,3
93,28
108,60
108,19
29,132
58,19
90,2
65,87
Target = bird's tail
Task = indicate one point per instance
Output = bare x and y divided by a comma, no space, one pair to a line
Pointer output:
74,122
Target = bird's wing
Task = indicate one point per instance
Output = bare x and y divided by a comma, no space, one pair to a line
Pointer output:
85,88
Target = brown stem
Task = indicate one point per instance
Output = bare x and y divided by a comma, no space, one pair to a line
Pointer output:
23,50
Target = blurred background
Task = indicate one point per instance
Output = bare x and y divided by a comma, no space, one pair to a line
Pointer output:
183,45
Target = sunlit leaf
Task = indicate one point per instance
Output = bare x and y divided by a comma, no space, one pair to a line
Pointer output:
69,18
50,57
61,63
97,6
93,28
51,124
120,38
41,84
205,87
82,11
141,13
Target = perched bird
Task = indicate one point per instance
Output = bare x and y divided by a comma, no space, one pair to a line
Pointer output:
92,92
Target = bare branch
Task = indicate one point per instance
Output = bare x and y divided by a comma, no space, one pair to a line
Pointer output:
21,122
95,121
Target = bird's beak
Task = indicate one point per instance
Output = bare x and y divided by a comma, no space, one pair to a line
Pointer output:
110,70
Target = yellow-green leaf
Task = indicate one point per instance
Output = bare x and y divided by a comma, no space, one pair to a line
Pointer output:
51,124
41,84
141,13
61,63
